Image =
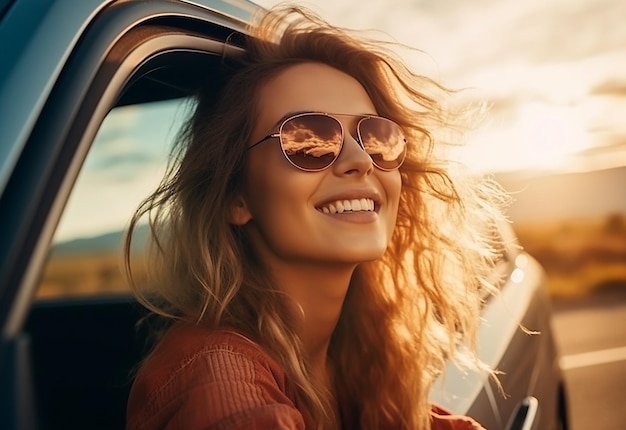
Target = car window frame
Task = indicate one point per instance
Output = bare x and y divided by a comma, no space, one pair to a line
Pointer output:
91,83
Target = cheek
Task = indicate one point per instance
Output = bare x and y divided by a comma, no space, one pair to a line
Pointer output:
262,172
393,187
274,190
281,224
392,183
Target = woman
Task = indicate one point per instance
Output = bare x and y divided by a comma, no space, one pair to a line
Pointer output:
319,263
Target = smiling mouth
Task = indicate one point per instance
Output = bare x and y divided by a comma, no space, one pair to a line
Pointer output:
348,206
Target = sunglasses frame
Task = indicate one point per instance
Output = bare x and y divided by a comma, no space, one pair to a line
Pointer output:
343,135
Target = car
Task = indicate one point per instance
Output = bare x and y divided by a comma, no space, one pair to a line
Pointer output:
516,339
90,95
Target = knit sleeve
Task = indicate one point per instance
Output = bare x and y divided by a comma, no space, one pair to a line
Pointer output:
217,389
444,420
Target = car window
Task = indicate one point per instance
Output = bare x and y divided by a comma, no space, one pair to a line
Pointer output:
125,163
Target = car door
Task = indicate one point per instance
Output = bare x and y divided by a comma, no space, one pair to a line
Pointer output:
68,66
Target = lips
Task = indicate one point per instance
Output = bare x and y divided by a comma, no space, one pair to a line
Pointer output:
348,205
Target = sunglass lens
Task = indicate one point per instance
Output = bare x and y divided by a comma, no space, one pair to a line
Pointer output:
384,141
311,141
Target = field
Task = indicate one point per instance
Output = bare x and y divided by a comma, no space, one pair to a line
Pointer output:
580,256
82,275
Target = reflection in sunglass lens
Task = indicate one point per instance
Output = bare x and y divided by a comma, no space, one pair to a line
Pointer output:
384,141
311,141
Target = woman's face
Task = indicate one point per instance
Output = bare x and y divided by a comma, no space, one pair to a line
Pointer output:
285,207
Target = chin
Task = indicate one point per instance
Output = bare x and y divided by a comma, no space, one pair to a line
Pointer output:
361,255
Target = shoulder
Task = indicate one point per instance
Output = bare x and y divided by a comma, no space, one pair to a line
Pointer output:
205,353
184,344
215,373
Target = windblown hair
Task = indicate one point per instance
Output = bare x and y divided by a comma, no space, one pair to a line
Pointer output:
406,314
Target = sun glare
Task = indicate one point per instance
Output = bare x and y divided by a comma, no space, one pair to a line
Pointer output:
546,135
540,137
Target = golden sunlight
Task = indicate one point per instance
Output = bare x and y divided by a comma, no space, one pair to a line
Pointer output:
540,137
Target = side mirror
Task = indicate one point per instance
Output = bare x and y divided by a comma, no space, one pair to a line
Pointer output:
525,416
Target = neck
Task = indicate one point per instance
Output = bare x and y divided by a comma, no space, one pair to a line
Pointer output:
318,295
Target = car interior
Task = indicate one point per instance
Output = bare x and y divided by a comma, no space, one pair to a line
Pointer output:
83,353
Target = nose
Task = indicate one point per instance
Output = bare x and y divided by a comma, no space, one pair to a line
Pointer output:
352,160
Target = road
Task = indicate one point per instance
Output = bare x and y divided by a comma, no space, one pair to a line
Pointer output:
591,337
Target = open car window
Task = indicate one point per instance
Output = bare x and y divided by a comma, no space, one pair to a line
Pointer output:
130,54
125,163
117,147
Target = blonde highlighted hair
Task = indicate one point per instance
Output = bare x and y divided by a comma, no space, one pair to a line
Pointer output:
406,314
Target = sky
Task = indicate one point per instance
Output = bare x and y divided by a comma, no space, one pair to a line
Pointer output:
552,71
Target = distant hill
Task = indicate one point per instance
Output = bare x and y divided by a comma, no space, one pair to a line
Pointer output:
106,243
539,197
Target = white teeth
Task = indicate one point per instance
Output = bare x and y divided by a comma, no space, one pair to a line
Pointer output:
354,205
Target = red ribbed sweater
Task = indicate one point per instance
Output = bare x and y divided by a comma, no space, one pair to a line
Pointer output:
220,380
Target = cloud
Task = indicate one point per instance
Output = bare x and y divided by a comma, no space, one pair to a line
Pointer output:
610,155
616,145
610,87
559,31
125,163
124,167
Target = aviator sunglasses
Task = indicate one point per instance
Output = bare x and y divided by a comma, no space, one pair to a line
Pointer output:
312,141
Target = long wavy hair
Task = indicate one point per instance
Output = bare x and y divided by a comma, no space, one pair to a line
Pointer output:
406,314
